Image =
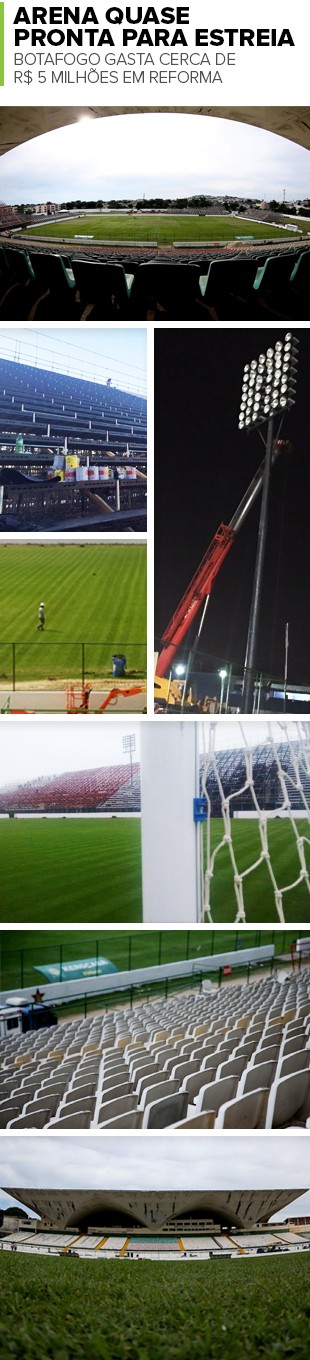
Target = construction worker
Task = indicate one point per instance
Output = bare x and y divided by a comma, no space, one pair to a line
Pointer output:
41,615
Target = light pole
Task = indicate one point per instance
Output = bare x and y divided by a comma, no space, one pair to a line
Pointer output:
129,745
268,390
222,675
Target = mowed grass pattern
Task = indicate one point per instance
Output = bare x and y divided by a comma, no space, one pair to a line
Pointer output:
92,594
144,1310
259,896
70,870
164,229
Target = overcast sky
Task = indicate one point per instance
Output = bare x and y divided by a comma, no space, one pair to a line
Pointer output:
162,154
158,1163
51,748
102,353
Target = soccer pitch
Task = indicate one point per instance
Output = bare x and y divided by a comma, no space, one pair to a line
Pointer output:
70,869
92,594
259,897
164,229
111,1310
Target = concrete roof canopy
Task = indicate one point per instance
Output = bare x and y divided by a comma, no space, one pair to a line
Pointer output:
19,125
154,1209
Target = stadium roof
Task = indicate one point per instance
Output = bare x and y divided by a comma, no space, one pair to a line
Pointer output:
19,125
154,1209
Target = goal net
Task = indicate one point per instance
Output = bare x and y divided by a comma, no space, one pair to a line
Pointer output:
255,841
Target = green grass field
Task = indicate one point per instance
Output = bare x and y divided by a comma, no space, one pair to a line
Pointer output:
74,869
92,594
22,951
259,894
163,229
143,1310
70,870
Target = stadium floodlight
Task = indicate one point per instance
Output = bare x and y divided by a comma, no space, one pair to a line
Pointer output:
222,675
268,390
129,745
269,383
180,669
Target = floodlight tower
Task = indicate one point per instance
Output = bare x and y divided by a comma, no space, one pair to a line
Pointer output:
129,745
268,390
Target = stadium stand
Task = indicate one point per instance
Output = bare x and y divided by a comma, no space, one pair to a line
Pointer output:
248,284
154,1247
289,760
9,218
235,1057
114,787
50,407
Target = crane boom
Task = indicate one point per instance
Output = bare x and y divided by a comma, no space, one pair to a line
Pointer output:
203,580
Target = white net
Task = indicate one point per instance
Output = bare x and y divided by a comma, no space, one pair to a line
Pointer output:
255,843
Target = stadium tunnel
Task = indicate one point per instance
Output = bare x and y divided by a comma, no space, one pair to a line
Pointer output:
19,125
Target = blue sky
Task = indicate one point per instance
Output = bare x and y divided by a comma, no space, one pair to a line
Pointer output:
154,153
158,1162
99,353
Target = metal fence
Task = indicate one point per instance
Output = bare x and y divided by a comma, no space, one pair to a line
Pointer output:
52,661
21,963
85,1004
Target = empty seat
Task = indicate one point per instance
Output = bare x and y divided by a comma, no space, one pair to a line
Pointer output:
289,1100
56,287
245,1112
102,290
213,1095
166,292
161,1113
228,290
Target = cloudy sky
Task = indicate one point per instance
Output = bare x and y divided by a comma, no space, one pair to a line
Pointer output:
156,1162
151,153
104,352
51,748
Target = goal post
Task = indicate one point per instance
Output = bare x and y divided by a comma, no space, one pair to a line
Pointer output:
259,778
225,813
171,876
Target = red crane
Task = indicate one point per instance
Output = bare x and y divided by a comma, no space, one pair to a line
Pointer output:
201,585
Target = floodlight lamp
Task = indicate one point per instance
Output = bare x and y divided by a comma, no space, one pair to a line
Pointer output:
180,668
269,353
222,674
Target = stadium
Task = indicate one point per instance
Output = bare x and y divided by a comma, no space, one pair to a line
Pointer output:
228,805
88,654
196,1246
153,1225
137,267
72,450
214,1037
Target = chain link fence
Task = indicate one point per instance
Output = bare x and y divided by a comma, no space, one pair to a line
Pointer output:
54,662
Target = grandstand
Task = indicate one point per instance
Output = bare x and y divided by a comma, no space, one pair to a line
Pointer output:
166,284
228,1058
115,787
279,773
60,441
129,279
9,219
